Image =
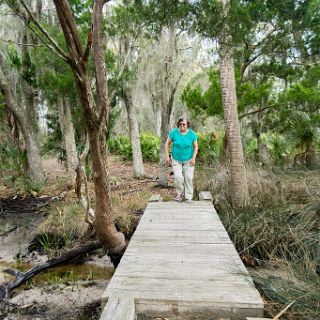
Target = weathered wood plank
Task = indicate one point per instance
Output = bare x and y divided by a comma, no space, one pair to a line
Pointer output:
205,196
155,198
119,307
181,258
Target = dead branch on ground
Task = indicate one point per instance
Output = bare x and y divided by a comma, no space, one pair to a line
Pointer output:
22,277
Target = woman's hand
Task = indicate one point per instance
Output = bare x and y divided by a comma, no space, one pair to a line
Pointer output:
193,161
168,160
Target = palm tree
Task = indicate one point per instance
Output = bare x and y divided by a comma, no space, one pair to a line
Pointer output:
239,186
303,131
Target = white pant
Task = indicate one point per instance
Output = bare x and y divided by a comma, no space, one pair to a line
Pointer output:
183,178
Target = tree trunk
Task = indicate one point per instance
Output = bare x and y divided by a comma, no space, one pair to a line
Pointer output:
35,170
167,91
138,169
95,113
158,120
239,186
127,58
67,129
311,156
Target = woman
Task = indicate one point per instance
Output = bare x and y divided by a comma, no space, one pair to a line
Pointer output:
184,153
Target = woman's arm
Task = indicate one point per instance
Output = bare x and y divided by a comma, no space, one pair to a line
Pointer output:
167,149
195,152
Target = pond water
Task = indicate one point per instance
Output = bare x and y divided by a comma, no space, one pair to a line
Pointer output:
63,274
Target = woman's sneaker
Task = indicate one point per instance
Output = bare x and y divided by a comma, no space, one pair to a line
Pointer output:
178,198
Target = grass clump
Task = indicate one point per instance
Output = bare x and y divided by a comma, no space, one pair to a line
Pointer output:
127,212
64,225
282,223
298,287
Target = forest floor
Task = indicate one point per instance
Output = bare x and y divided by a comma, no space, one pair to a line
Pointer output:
71,291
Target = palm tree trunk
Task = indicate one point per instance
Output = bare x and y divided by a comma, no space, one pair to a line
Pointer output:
239,186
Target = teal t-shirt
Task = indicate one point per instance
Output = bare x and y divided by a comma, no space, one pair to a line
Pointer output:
182,149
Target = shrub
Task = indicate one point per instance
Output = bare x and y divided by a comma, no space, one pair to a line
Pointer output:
210,146
121,145
150,147
13,162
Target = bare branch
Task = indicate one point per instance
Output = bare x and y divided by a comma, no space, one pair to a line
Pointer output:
253,112
22,44
82,190
45,33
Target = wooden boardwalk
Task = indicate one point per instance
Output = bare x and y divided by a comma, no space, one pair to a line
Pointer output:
181,261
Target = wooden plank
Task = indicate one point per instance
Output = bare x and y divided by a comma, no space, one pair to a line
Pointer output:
217,297
180,255
119,308
205,196
155,198
251,318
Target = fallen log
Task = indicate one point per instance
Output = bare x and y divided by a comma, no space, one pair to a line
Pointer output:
22,277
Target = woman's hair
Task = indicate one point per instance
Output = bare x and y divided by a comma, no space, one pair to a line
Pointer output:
181,119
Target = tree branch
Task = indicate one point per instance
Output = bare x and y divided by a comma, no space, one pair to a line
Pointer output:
253,112
69,31
88,47
62,54
24,276
22,44
103,102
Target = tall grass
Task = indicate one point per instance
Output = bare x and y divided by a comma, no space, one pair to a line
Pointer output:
282,223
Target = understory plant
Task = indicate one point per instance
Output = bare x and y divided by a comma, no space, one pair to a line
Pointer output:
281,228
13,166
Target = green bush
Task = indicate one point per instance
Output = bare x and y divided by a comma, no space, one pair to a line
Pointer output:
121,145
251,147
13,162
150,147
210,146
280,148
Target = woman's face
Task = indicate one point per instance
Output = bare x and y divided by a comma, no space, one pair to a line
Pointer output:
183,126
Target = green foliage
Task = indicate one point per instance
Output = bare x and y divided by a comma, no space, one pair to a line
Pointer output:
150,147
121,145
253,92
54,141
156,14
251,146
13,56
12,159
82,11
201,102
210,147
280,149
303,129
13,162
